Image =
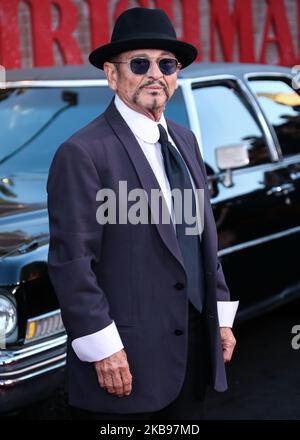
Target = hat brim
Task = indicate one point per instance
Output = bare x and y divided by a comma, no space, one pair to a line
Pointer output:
185,53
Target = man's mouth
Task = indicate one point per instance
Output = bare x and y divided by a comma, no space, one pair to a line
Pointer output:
153,87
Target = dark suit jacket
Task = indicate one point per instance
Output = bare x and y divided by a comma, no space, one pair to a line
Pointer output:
126,273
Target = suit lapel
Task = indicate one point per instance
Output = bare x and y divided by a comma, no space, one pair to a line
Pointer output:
144,172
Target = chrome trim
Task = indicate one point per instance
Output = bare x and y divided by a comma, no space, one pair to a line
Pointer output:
249,75
274,149
269,304
45,315
283,188
295,158
11,356
64,83
33,367
10,382
191,109
269,166
58,83
217,77
257,241
57,313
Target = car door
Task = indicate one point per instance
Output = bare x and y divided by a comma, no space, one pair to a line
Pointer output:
256,206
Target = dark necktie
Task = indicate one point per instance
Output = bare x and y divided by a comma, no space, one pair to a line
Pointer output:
189,245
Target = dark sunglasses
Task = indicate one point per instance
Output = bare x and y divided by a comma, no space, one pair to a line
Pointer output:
140,66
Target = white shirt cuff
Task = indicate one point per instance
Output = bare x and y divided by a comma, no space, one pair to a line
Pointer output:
226,312
99,345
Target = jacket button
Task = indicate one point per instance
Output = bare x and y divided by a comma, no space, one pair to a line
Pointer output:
179,286
178,332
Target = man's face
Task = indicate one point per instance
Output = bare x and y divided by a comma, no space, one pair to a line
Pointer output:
146,93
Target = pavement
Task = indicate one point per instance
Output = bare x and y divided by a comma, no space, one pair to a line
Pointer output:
263,376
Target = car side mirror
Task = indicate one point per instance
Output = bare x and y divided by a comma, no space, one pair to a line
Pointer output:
229,157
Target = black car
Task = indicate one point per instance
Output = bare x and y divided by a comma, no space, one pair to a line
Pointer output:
247,121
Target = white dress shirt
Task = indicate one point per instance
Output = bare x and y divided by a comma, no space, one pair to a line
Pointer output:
107,341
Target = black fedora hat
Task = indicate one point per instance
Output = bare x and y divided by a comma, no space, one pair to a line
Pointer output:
143,28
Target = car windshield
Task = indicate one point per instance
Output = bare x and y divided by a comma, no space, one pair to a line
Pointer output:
35,121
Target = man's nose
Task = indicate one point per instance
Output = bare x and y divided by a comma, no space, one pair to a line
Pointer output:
154,70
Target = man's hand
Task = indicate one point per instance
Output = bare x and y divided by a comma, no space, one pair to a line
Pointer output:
114,375
228,343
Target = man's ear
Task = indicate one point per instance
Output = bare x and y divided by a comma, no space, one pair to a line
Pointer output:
111,74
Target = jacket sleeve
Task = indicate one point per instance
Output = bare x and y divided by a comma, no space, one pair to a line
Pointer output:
75,247
226,309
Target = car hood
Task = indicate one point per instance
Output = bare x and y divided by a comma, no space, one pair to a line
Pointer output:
22,192
21,232
23,211
24,242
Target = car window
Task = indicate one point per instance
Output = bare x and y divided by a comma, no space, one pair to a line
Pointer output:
35,121
225,120
176,109
281,104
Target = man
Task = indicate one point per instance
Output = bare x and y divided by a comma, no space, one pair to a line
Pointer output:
138,298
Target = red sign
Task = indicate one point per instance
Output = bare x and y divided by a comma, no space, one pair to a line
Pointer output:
225,26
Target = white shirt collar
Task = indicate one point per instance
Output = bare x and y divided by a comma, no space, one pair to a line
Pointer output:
142,126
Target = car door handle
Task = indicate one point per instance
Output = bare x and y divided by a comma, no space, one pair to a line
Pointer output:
283,188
